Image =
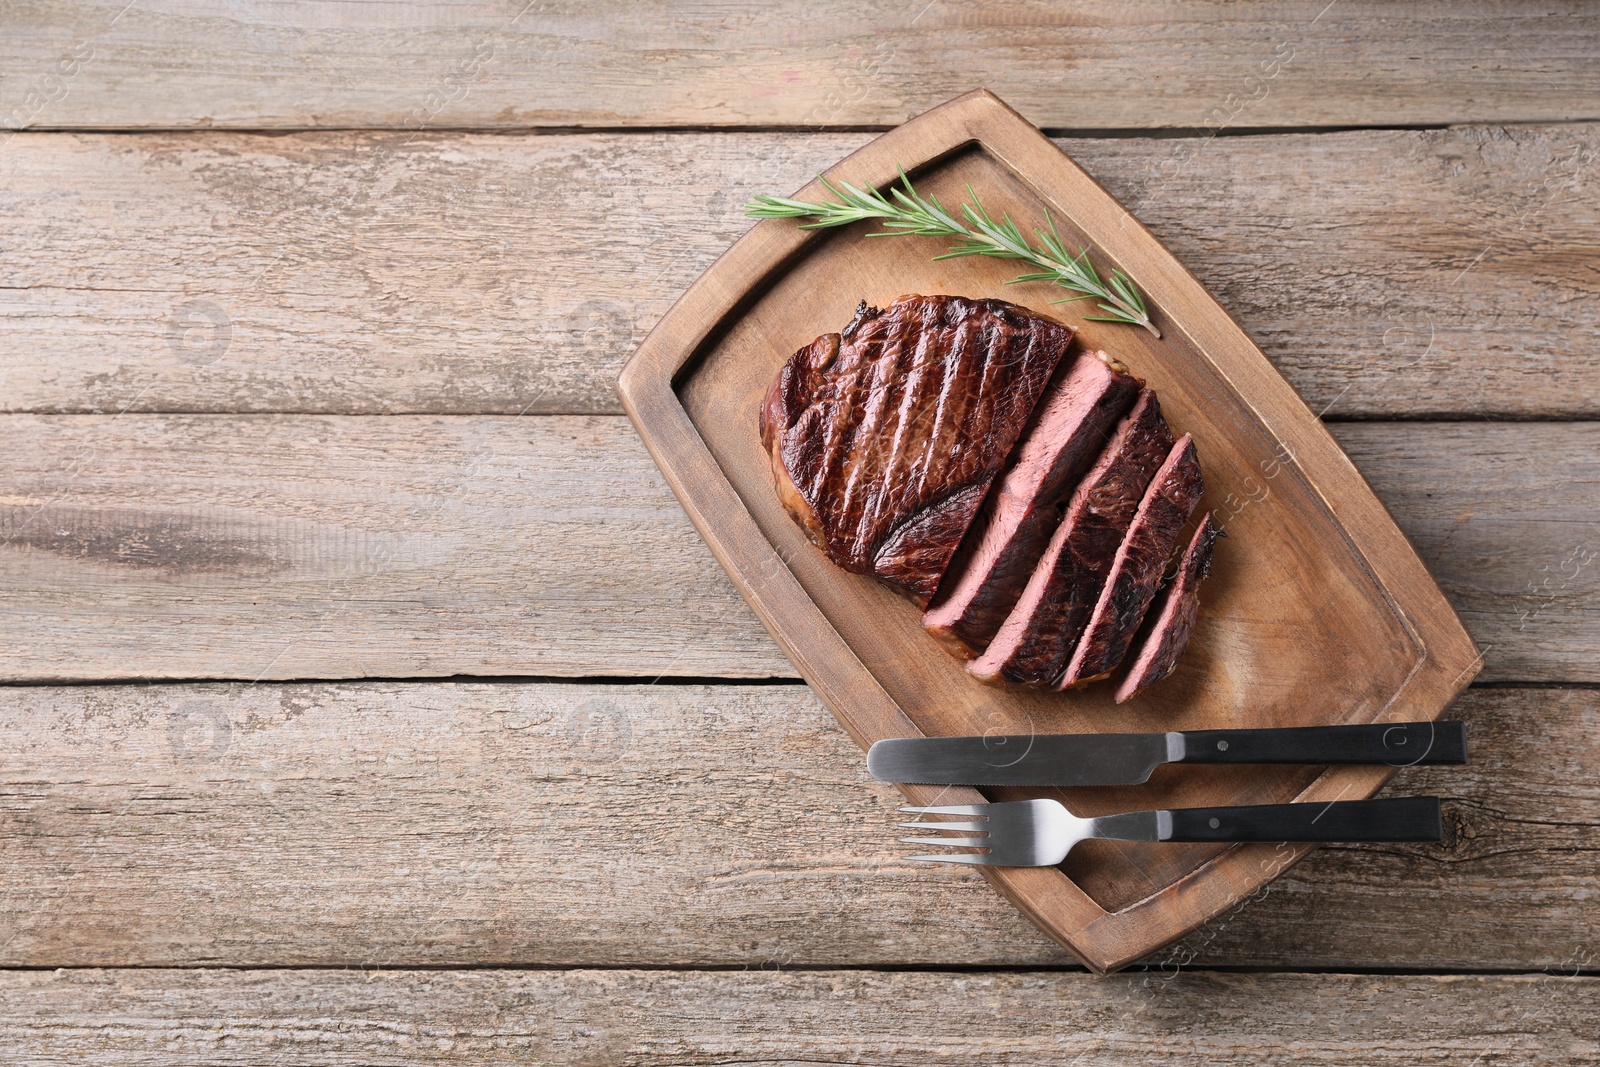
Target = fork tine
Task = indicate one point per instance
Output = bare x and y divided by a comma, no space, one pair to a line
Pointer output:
980,827
948,842
958,857
952,809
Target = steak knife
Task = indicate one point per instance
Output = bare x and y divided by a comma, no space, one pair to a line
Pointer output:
1129,759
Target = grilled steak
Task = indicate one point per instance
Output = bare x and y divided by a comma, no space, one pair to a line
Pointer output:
1035,642
886,437
1163,513
1174,616
1070,428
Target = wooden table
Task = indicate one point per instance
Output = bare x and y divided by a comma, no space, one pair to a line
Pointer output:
372,701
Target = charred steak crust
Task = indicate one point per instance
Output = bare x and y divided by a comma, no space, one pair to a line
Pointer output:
1152,537
1174,615
886,436
1069,430
1035,643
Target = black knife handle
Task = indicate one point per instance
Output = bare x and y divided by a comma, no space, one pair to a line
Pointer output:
1399,744
1400,819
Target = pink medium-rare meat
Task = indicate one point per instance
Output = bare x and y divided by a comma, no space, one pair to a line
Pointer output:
886,437
1035,643
1153,535
1089,394
1174,615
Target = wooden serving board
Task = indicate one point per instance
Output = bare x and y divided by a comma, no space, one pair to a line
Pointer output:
1318,610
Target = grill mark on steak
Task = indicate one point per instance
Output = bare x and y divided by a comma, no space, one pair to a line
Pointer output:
1069,430
1035,643
886,437
1152,537
1174,614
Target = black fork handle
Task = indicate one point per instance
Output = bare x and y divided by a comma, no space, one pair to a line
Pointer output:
1399,819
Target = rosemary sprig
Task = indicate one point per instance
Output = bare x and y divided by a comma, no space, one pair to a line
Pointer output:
976,233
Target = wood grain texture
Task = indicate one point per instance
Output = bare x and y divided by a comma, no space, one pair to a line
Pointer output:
326,547
504,64
267,546
1386,273
132,1018
395,824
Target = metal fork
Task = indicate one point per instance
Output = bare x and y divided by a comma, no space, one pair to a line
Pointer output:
1040,833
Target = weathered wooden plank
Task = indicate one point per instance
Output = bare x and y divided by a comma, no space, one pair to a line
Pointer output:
184,546
268,547
512,64
1470,496
132,1017
385,824
1388,273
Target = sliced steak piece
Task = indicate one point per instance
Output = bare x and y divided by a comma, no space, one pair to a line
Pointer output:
885,437
1174,616
1068,433
1035,642
1163,513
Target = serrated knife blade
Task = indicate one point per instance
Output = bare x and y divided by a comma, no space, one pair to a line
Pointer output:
1024,759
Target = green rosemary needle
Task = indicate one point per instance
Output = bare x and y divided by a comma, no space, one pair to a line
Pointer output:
976,233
